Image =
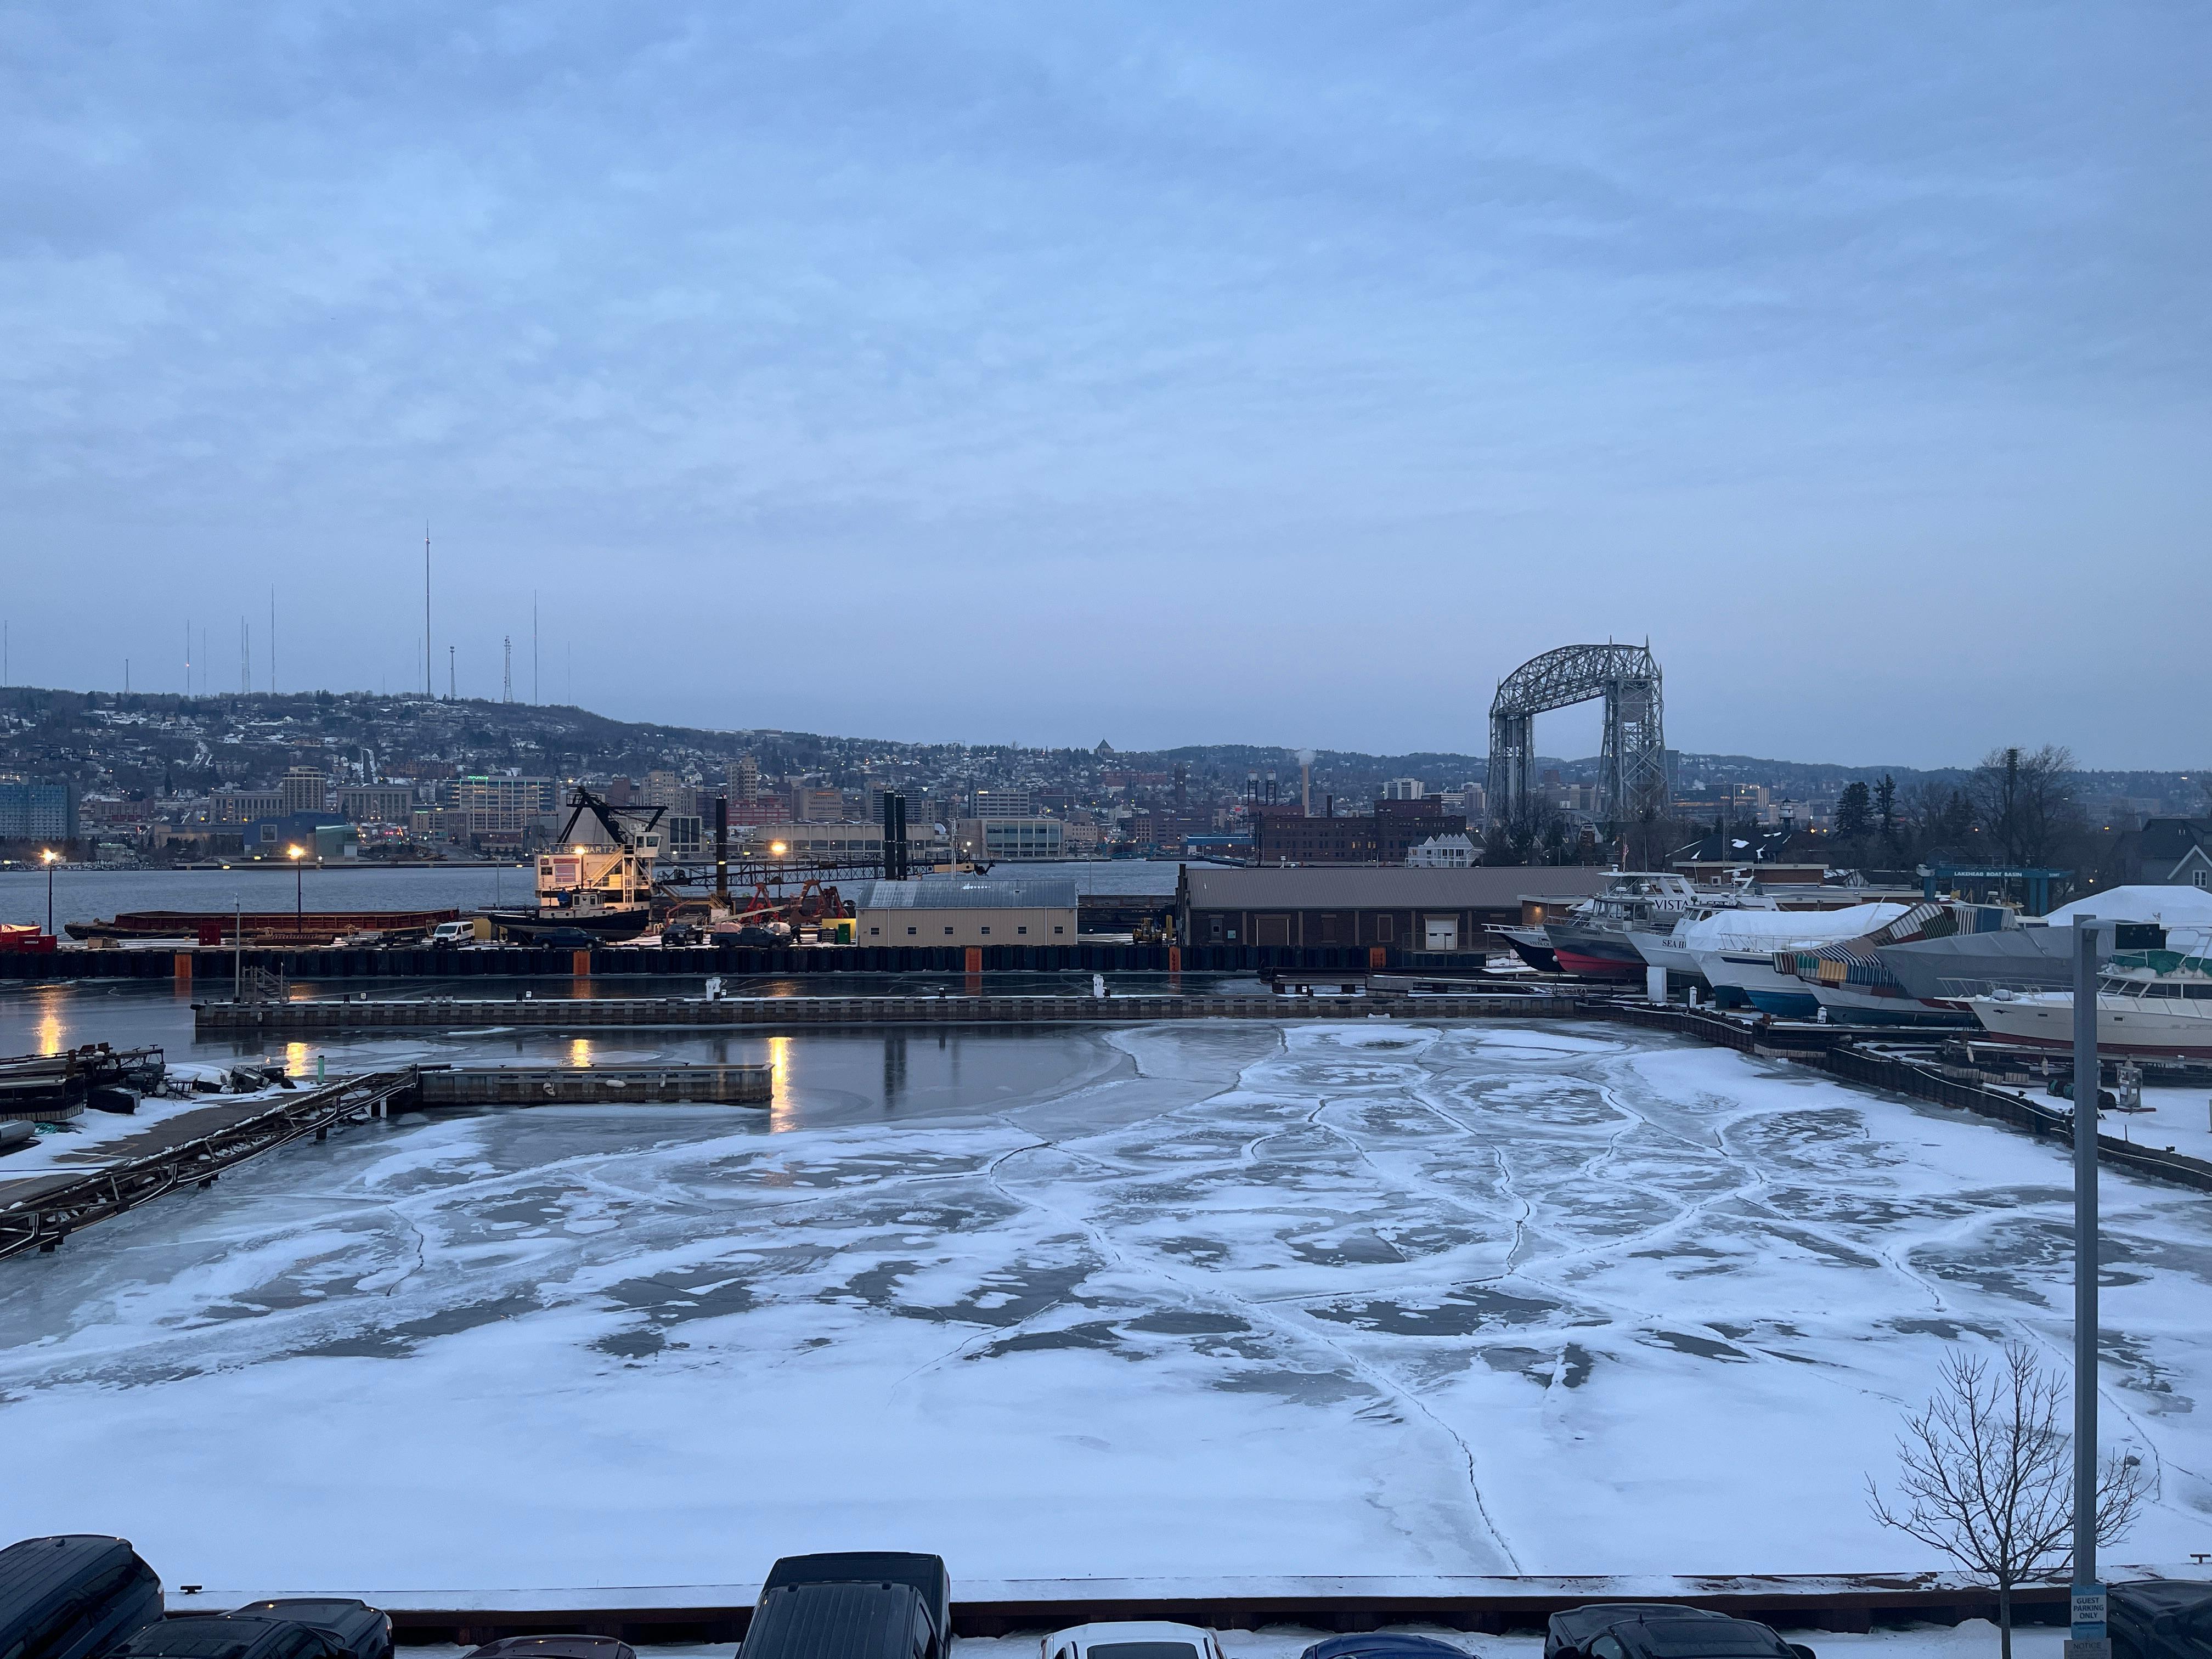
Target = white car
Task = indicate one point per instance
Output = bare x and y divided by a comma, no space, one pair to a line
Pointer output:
1134,1638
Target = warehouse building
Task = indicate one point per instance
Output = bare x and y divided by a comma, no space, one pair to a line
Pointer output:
1396,907
962,910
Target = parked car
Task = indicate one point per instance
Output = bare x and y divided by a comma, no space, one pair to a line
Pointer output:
362,1631
73,1596
2160,1619
1131,1638
553,1647
1379,1644
864,1604
230,1635
1658,1630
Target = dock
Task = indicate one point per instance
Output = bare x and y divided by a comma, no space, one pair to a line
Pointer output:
188,1151
333,1015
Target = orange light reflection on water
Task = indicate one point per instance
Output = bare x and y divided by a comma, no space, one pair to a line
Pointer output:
780,1115
579,1051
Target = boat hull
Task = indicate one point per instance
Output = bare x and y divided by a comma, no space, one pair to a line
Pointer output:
1533,947
608,925
1595,952
2047,1022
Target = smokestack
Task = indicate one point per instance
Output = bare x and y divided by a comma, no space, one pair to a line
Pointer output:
1305,781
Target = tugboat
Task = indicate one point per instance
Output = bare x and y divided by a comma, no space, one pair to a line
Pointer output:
599,883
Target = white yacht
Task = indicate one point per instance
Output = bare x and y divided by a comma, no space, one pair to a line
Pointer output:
1662,940
2149,1002
1735,951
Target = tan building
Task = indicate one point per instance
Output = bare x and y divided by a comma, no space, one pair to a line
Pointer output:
305,789
958,911
375,803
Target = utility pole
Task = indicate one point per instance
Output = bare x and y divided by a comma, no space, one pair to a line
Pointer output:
2088,1638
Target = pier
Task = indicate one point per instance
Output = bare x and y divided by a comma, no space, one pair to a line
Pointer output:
332,1016
191,1149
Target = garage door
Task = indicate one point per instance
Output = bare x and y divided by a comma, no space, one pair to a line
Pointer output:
1440,934
1270,930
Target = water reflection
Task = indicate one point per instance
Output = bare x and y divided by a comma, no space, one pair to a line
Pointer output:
780,1114
579,1051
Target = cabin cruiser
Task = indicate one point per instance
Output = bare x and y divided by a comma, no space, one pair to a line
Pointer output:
1662,943
1533,946
1735,951
1594,942
2149,1002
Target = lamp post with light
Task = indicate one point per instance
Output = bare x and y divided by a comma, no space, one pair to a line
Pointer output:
298,893
49,855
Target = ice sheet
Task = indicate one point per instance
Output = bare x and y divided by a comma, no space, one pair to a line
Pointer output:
1350,1297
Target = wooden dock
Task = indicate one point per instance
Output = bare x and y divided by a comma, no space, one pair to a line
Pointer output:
190,1149
575,1013
711,1083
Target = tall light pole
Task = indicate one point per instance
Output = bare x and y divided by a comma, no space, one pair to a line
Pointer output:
298,894
2088,1637
49,855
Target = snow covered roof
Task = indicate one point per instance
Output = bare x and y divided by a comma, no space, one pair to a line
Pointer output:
2170,907
967,893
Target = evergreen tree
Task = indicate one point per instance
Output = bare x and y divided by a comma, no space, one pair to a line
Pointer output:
1854,811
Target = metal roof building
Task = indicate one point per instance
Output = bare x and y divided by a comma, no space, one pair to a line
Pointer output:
1396,907
962,910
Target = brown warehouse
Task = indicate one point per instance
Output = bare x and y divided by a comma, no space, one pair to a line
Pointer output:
1407,909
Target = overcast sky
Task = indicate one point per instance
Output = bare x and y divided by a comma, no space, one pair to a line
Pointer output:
1163,375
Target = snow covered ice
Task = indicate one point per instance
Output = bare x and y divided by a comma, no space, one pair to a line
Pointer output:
1186,1300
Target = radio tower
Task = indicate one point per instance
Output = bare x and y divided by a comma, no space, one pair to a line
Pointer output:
506,669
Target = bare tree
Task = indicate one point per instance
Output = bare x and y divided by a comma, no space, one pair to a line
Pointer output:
1986,1475
2025,800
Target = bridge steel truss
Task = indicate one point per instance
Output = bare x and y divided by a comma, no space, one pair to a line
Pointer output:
1633,777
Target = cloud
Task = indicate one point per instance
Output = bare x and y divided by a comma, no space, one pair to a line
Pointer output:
1045,356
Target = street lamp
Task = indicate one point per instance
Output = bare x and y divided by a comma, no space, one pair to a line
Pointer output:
49,855
298,894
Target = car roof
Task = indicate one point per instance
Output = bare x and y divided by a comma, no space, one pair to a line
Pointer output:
36,1566
1382,1645
559,1647
208,1635
291,1604
1131,1630
1576,1624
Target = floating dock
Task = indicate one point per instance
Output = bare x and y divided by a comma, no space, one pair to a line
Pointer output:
215,1019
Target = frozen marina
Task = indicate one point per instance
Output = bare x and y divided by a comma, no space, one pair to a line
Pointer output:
1319,1298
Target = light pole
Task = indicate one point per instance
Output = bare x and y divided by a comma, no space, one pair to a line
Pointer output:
49,855
298,893
2089,1636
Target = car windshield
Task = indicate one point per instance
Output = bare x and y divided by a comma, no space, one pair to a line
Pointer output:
1145,1650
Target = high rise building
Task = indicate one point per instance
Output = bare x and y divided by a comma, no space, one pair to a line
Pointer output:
304,789
742,778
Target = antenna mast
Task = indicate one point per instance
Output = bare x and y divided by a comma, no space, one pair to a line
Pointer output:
506,668
425,612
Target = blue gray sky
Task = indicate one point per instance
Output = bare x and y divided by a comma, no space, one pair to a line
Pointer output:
1159,373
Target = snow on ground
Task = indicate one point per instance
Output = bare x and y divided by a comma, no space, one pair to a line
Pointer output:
1335,1298
89,1138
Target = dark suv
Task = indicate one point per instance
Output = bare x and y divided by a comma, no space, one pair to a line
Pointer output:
1656,1629
231,1636
73,1596
362,1631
